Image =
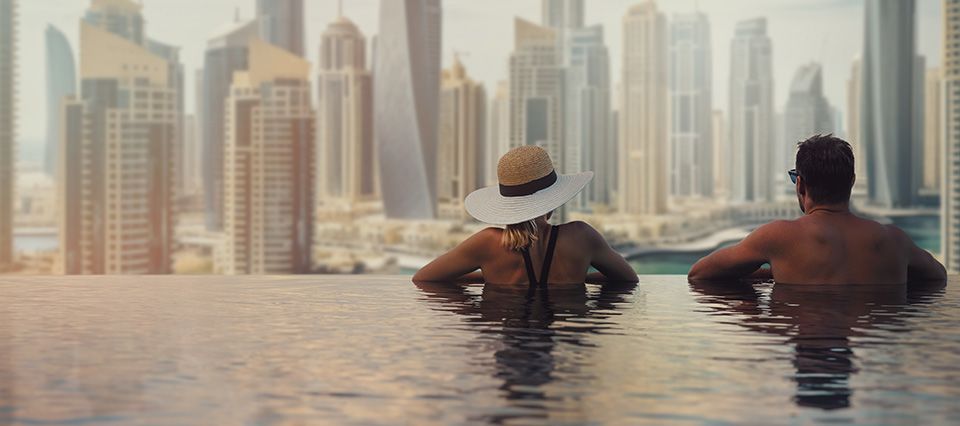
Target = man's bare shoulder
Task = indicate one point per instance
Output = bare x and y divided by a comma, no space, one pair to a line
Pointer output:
777,228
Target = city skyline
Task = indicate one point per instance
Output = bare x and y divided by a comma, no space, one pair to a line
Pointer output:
835,36
291,148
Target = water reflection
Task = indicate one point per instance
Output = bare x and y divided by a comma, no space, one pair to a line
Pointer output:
539,336
823,323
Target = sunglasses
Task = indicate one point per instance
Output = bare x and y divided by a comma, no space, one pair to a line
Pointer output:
793,175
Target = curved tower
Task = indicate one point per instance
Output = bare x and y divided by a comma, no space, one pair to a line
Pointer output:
891,103
61,83
406,93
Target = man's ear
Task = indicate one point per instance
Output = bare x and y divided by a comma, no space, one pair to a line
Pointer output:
801,186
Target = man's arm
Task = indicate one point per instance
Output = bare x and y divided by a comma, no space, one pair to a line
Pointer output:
921,265
741,260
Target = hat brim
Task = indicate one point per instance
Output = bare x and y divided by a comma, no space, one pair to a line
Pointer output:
488,206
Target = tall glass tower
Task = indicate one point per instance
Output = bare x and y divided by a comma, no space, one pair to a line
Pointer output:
281,23
61,83
407,91
891,106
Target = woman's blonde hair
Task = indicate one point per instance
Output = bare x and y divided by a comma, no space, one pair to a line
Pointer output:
519,235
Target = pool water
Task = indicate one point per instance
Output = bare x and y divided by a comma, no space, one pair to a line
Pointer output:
374,349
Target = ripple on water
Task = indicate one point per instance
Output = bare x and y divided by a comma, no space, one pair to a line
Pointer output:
225,350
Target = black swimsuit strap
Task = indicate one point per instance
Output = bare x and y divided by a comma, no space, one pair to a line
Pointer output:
531,277
545,272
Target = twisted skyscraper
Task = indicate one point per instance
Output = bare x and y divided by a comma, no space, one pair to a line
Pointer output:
891,116
407,91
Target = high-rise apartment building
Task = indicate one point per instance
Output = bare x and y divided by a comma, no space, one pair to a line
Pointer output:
854,93
117,158
643,183
61,84
950,182
281,24
347,158
123,18
498,131
177,82
891,106
536,90
460,156
807,113
586,97
407,91
691,107
8,125
752,120
268,165
721,155
226,54
189,157
562,14
932,128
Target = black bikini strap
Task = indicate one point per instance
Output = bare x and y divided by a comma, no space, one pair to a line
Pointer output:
531,278
545,272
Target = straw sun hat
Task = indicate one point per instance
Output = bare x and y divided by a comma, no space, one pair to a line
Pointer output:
528,188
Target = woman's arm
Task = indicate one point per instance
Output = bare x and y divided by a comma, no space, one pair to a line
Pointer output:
457,263
610,264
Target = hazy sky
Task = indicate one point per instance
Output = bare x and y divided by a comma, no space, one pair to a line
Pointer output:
826,31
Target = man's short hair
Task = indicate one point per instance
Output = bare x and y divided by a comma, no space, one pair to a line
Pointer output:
825,163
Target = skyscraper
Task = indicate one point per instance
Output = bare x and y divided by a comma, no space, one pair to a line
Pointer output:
498,131
586,98
460,157
120,17
346,167
950,181
268,181
562,14
281,23
189,157
407,90
177,81
891,125
751,120
691,106
117,160
854,93
807,112
643,181
721,155
8,125
932,129
536,90
61,83
226,54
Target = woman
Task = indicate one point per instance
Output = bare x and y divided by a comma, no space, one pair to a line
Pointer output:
528,250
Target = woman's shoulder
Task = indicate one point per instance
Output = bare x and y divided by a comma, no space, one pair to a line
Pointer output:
581,230
488,234
579,226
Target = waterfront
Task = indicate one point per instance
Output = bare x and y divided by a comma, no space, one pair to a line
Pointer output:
925,231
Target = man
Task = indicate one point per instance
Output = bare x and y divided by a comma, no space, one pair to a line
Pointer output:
828,244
